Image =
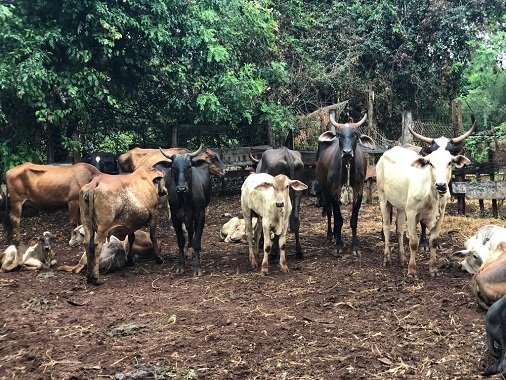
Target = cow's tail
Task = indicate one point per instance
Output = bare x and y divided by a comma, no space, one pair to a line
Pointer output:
7,210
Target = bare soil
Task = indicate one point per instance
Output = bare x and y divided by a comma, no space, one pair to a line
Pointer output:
329,318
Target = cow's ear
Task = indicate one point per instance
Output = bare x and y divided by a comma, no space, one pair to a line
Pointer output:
263,186
461,161
327,136
460,254
367,141
163,166
420,162
298,185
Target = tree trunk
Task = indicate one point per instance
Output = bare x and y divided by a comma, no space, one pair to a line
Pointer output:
76,153
370,110
50,145
407,120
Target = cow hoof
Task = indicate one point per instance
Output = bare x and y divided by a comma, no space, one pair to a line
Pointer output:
197,272
95,281
158,260
413,276
435,274
284,269
180,270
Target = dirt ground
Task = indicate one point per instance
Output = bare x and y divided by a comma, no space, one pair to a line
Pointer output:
328,318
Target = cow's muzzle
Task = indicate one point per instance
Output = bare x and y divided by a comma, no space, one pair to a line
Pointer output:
441,188
182,189
347,154
280,204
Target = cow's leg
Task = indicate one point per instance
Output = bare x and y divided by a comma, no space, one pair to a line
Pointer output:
74,218
130,253
154,240
328,210
338,226
93,256
433,244
282,255
413,242
75,268
196,243
295,223
386,210
15,220
267,246
399,223
355,248
190,228
33,264
250,235
423,236
178,227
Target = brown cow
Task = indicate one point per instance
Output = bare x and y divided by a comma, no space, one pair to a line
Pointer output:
46,186
119,205
137,157
489,283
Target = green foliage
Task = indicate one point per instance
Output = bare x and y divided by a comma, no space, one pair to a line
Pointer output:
481,145
112,72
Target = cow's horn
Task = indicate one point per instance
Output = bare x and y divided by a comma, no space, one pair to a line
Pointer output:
255,161
461,138
428,140
196,153
162,152
333,120
362,121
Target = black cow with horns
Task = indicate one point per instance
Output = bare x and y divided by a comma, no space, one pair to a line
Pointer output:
340,171
288,162
189,185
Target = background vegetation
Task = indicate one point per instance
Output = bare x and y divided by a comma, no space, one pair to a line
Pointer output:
97,74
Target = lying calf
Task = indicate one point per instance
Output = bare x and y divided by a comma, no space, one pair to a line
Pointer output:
489,284
235,230
36,256
114,256
495,325
479,247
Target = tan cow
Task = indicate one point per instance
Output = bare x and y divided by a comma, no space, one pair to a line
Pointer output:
46,186
37,256
119,205
138,157
489,283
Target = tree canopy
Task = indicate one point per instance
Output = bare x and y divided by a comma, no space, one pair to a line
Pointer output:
113,73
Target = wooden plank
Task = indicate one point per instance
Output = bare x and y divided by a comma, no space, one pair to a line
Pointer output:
481,190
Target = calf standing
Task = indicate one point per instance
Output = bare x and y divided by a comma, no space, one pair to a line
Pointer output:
267,198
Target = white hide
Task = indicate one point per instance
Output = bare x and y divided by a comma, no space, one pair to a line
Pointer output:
407,182
480,247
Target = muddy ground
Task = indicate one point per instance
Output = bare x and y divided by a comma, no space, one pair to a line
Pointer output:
329,318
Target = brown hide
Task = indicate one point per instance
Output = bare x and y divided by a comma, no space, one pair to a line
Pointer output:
489,283
46,186
118,205
138,157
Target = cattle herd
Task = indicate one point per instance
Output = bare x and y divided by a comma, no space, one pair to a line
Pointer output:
114,208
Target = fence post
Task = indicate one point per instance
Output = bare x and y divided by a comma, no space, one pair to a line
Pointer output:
173,137
407,119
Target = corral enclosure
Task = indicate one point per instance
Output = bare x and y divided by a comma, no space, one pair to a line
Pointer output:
329,318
